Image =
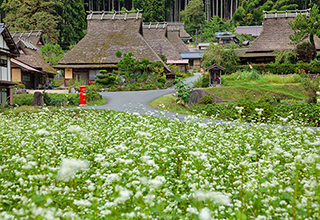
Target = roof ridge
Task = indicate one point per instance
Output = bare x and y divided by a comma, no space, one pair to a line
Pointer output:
112,15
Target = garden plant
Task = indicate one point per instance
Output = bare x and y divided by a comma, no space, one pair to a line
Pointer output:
96,164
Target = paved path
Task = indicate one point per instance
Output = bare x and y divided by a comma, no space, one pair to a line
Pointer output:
137,101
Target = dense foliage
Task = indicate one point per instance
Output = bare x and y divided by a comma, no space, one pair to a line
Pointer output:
226,58
78,164
61,21
55,99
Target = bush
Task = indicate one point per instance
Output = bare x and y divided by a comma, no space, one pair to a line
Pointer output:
306,52
93,96
206,99
205,84
19,85
22,99
106,79
180,75
162,79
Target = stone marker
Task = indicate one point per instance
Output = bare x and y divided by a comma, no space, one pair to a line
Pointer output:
72,90
198,94
37,99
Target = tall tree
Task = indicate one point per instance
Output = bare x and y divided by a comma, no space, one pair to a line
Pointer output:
193,15
306,26
153,10
73,22
25,15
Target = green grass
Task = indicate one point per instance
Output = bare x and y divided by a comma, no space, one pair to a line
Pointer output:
236,90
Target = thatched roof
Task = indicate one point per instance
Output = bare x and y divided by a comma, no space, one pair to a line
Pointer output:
155,35
31,55
108,33
34,37
13,50
274,36
174,38
180,26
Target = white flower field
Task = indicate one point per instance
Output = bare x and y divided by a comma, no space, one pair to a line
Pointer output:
97,164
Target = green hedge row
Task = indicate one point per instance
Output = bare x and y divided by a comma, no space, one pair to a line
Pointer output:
282,68
54,99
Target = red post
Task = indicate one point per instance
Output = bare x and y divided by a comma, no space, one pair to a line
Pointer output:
83,96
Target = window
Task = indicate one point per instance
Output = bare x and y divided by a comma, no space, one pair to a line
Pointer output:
3,62
3,95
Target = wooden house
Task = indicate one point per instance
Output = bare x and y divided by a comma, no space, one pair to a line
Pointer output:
253,31
107,33
274,36
8,50
226,38
194,58
30,68
215,74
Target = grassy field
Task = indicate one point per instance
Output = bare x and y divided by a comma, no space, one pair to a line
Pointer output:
237,90
97,164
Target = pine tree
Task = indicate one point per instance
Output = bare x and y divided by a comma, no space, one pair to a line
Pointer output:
26,15
73,23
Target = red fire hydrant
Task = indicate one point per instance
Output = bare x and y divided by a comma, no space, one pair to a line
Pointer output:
83,96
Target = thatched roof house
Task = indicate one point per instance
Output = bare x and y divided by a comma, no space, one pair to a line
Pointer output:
29,44
8,50
274,36
108,32
155,34
175,33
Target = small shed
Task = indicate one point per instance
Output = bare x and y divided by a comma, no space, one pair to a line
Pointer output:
215,74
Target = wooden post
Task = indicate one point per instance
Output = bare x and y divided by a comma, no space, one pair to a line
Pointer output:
11,96
210,78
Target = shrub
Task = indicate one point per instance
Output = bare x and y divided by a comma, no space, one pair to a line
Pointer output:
93,96
162,79
180,75
206,99
306,52
106,79
22,99
19,85
205,84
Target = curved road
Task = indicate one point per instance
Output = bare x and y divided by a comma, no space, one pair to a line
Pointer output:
137,101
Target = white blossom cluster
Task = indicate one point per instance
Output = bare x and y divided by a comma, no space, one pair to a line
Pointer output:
96,164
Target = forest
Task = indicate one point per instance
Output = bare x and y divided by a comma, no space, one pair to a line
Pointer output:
64,21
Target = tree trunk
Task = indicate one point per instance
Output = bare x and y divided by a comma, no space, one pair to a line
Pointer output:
213,9
217,6
221,12
119,9
231,9
112,5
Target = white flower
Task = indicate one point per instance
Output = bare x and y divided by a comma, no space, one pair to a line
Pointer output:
124,195
239,109
259,110
42,132
69,168
75,129
205,214
157,182
82,202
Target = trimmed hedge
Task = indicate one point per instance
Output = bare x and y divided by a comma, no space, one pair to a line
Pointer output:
283,68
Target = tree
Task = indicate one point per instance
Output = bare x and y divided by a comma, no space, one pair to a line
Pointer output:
226,58
26,15
153,10
73,22
306,27
127,65
193,15
51,53
215,25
